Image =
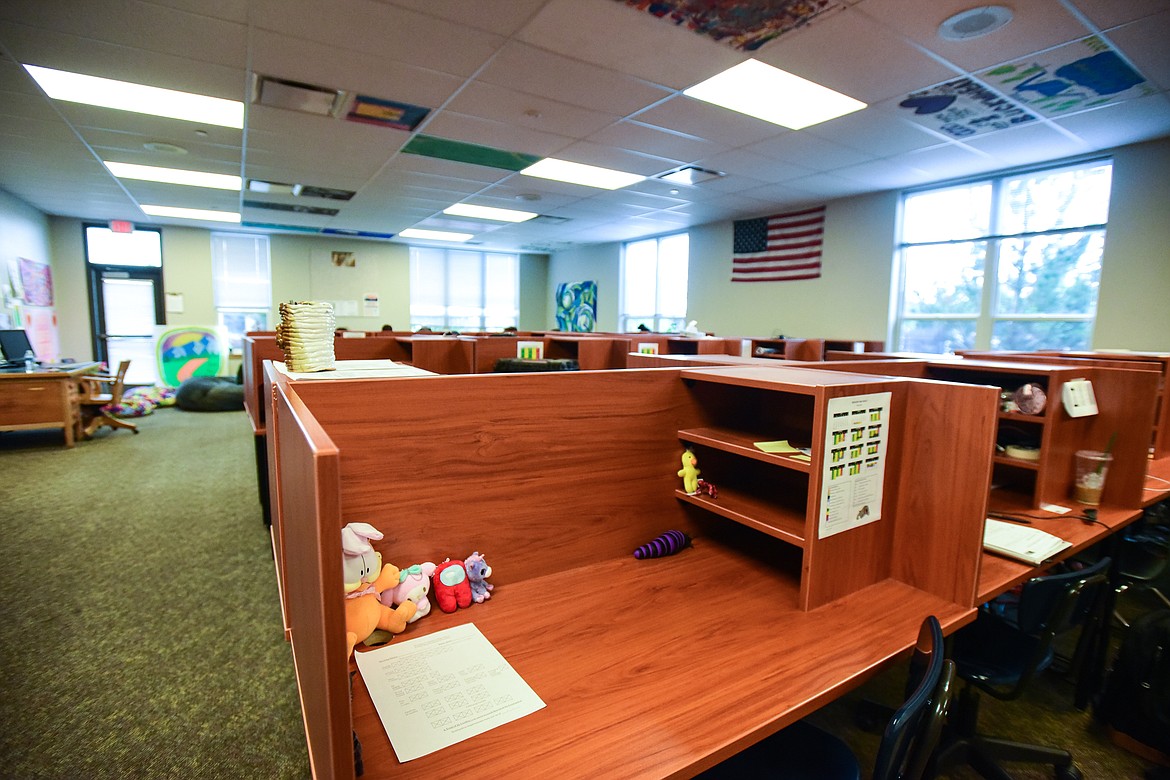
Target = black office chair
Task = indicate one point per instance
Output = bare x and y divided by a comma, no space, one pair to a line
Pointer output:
805,752
1143,556
1010,642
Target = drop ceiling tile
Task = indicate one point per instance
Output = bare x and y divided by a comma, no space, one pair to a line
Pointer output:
1110,13
469,129
877,128
178,195
534,71
709,122
228,10
639,137
499,104
746,163
503,17
417,163
946,161
881,64
1024,144
878,175
1037,25
805,149
607,32
387,32
1119,124
616,159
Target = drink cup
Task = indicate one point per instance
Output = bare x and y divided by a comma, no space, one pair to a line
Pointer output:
1092,466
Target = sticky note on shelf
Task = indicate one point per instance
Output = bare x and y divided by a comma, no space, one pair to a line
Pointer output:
781,447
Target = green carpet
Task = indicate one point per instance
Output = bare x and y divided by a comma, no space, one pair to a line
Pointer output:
141,632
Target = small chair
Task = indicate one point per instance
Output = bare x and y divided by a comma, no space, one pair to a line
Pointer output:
1010,642
805,752
99,391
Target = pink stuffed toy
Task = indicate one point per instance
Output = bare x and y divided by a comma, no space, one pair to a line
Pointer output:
452,590
414,583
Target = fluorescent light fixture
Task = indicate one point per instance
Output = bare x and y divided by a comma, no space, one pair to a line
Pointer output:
219,181
579,173
108,93
487,212
435,235
181,213
757,89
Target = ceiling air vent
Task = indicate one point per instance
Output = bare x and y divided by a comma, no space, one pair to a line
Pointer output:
297,96
689,174
296,208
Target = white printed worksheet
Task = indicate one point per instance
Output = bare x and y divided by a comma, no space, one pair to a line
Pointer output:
443,688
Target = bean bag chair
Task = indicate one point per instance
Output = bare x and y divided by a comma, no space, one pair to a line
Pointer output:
210,394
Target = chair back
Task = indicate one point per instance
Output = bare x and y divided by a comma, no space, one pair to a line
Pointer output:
914,729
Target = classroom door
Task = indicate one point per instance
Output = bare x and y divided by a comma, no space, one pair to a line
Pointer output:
128,305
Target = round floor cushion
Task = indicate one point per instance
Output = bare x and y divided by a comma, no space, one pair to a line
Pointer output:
210,394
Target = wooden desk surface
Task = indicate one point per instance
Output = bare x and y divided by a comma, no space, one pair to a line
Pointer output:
998,574
661,668
44,398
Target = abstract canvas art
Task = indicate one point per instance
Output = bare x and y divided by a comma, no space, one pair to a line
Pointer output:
576,306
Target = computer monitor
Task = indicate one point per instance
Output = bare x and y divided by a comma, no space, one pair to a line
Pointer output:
14,343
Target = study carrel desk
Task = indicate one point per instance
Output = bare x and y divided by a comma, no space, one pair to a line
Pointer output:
655,668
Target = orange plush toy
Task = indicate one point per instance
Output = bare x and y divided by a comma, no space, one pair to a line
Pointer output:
365,579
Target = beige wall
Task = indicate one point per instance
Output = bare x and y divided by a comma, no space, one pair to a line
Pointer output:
23,233
851,300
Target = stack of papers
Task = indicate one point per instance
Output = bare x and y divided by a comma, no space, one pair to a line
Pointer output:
1021,542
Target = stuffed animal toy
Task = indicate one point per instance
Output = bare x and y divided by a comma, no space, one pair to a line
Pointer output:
452,590
477,573
689,473
669,543
365,579
414,583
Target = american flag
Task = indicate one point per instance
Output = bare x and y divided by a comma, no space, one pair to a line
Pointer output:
779,248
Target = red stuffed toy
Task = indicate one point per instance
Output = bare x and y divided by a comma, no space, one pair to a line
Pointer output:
451,587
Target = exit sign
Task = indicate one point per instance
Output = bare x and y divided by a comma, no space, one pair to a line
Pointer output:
121,226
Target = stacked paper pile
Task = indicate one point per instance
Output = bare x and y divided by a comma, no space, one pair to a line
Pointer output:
1021,542
305,334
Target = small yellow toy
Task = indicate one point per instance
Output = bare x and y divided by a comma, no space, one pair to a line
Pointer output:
689,473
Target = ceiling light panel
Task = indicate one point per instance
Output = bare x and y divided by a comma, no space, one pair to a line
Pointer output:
760,90
139,98
435,235
579,173
182,213
219,181
489,212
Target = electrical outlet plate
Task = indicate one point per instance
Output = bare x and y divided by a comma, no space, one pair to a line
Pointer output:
1078,398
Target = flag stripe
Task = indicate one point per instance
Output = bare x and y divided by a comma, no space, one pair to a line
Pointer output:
782,247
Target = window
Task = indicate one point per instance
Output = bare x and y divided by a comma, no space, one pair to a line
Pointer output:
1038,236
140,248
654,284
241,275
455,289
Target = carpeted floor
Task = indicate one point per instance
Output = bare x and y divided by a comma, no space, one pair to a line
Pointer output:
141,633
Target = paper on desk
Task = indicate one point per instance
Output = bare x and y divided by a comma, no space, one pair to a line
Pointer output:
358,369
1021,542
443,688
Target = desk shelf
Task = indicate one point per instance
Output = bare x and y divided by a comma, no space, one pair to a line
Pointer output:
752,512
741,444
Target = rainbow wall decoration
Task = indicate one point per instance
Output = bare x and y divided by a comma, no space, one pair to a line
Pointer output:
190,351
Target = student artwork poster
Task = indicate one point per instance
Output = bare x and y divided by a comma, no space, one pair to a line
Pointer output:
856,434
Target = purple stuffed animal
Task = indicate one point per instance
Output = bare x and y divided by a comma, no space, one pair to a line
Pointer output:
477,573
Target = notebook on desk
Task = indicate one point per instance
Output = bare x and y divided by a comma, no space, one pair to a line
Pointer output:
1022,542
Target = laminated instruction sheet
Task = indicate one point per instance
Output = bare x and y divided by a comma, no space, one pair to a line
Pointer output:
443,688
857,430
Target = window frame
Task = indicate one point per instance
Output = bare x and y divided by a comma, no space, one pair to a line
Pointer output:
263,312
445,322
659,321
988,316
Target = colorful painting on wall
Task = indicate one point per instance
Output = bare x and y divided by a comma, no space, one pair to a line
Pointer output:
37,282
576,306
964,108
745,24
190,351
1083,74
